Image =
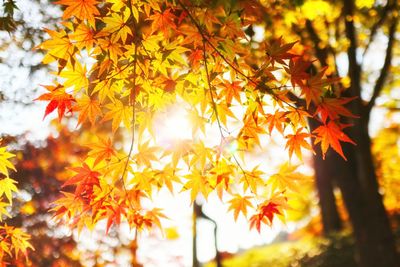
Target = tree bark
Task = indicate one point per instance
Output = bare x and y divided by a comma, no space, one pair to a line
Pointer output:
331,221
375,239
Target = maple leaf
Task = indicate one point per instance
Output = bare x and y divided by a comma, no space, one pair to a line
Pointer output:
298,116
330,135
19,239
276,120
194,58
146,154
7,186
180,151
313,88
88,108
117,25
111,47
278,52
59,46
81,9
166,176
197,183
239,204
101,150
223,112
84,36
296,141
252,128
268,210
201,155
118,113
231,90
163,21
4,211
58,99
287,178
298,70
198,122
252,179
114,211
75,76
84,179
5,164
154,216
231,27
143,180
265,215
333,108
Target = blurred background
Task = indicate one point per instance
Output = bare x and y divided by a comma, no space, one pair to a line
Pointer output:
326,223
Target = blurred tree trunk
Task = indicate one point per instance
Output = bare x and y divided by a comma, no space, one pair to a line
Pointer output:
356,177
134,247
195,261
324,182
199,214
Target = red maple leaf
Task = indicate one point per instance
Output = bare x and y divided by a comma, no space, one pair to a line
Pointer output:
85,179
298,70
58,99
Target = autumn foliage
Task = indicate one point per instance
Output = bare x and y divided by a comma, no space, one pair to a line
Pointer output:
14,242
122,63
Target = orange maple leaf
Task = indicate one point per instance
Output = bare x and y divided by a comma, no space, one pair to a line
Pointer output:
276,120
330,135
239,205
163,21
334,107
313,88
296,141
278,52
101,150
81,9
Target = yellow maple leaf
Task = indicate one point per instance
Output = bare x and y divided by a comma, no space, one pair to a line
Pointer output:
5,164
197,183
58,46
287,178
3,211
75,76
146,154
117,26
118,113
7,186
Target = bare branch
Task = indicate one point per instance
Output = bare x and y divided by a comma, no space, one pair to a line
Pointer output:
382,17
380,82
354,67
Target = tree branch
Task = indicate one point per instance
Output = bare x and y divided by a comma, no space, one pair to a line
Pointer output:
322,54
354,67
378,23
380,82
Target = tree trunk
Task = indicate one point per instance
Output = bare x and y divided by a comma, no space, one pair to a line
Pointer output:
357,182
376,244
195,261
331,221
